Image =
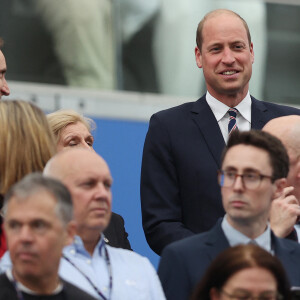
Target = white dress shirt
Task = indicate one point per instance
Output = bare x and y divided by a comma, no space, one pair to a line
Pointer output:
220,110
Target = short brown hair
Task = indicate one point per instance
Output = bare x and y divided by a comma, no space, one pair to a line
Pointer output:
279,159
235,259
199,36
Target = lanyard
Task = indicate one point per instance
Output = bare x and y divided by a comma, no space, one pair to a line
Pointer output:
107,260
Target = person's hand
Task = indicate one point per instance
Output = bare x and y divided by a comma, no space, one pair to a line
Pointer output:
285,211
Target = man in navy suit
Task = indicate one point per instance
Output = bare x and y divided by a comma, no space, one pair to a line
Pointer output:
253,172
180,195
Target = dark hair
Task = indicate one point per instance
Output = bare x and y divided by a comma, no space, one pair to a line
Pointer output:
199,36
35,182
235,259
279,159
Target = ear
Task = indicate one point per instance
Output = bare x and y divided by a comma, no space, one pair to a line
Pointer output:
252,53
297,170
280,184
214,294
198,57
71,231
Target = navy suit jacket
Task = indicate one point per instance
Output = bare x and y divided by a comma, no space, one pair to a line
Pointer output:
180,195
183,263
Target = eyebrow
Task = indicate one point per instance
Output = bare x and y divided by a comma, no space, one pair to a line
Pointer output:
247,169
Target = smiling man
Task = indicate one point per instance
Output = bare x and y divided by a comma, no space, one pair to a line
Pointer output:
180,195
253,172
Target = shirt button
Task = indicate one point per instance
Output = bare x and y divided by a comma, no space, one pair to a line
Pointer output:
88,261
72,251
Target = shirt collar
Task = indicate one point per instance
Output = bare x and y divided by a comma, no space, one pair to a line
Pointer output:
220,109
79,246
235,237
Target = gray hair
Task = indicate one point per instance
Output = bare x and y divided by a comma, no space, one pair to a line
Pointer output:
35,182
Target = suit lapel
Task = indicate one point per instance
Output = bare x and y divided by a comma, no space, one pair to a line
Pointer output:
216,241
209,128
259,116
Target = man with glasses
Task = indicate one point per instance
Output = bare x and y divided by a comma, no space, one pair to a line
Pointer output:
253,172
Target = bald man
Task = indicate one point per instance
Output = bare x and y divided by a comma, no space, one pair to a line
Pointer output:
4,89
103,271
286,210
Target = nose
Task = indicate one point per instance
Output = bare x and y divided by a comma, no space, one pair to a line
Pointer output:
238,183
26,234
5,89
85,145
228,56
103,192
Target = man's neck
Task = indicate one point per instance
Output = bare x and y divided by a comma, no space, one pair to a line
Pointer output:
40,285
231,100
90,238
248,228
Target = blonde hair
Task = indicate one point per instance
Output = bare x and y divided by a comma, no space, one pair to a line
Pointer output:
26,141
58,120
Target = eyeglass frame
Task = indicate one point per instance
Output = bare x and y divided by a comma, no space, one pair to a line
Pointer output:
278,296
221,177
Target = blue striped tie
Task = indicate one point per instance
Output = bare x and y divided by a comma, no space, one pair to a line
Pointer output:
232,120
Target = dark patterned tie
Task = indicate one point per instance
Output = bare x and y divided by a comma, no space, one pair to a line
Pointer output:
232,120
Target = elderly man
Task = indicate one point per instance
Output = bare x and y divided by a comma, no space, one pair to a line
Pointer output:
38,214
253,173
286,210
4,89
180,195
103,271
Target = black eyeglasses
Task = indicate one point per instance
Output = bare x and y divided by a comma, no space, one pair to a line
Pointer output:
245,295
251,180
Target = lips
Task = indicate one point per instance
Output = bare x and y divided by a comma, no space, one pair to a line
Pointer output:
26,255
237,204
99,210
229,72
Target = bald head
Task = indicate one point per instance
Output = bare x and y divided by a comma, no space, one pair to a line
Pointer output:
287,129
70,161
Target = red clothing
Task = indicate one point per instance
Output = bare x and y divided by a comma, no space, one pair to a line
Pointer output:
3,247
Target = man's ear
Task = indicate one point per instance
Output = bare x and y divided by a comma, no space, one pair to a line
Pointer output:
297,170
252,53
280,184
198,57
71,231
